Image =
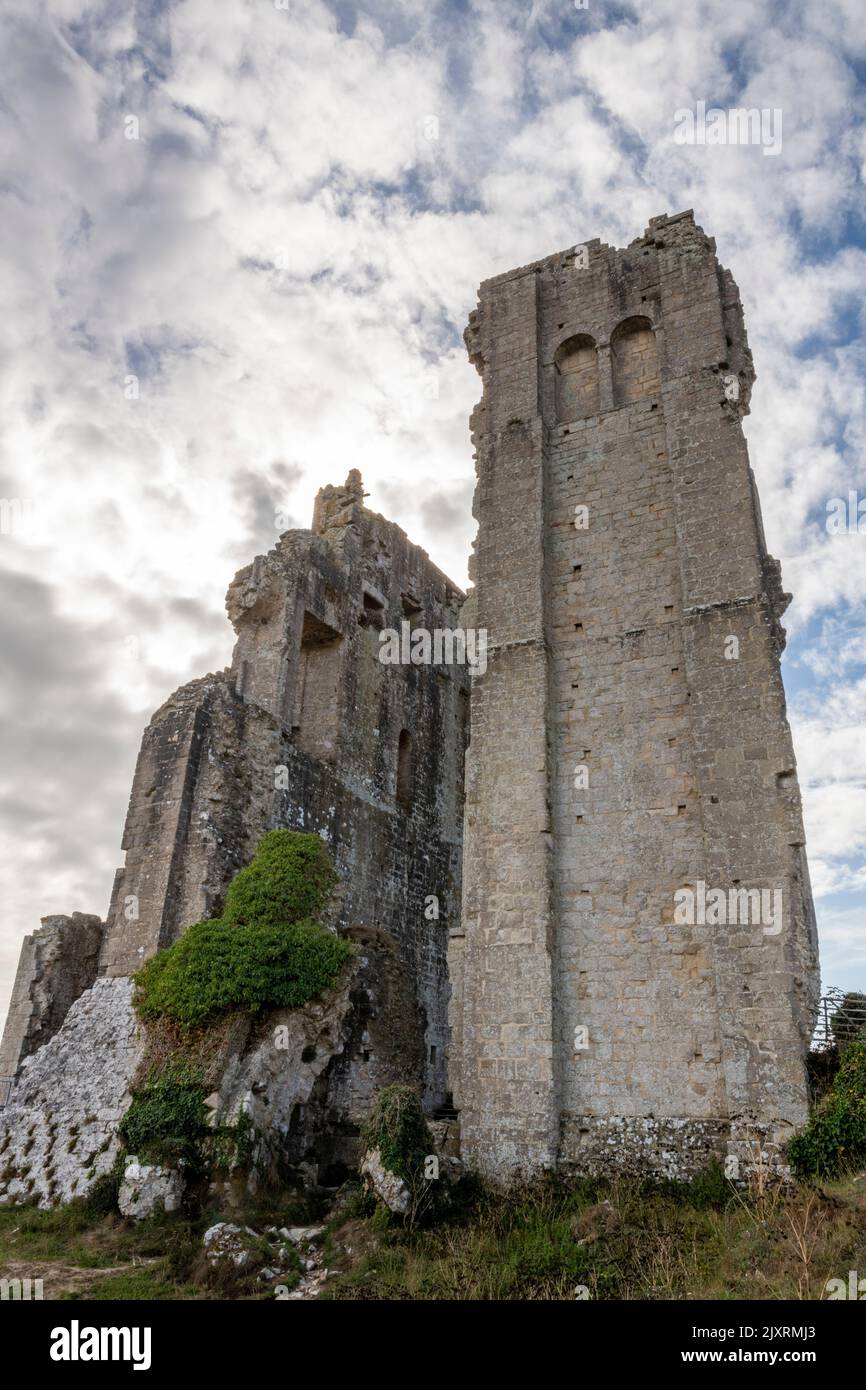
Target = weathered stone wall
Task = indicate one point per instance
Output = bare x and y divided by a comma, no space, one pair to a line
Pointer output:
57,964
617,753
303,732
59,1131
628,741
307,1077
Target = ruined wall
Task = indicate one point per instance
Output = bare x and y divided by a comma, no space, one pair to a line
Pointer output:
617,753
58,1133
307,730
309,1098
620,754
57,964
303,732
304,1077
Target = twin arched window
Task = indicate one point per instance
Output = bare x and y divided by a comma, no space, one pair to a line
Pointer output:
634,369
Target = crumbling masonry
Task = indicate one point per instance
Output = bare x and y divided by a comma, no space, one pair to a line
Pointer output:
308,730
629,745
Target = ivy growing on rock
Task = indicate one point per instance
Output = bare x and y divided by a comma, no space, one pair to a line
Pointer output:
168,1122
397,1128
168,1118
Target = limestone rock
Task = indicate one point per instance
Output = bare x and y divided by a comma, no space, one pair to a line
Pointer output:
58,1131
147,1188
267,1255
225,1241
302,1235
390,1189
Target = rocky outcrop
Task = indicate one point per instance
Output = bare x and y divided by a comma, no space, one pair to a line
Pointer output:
387,1186
305,1078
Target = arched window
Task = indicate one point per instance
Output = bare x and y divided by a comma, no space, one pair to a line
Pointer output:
576,368
404,771
633,361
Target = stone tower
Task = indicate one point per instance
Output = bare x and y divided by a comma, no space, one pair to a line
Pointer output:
625,995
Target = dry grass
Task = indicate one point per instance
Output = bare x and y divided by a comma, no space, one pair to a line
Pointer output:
619,1241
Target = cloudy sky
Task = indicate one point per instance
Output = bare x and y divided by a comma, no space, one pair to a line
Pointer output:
241,242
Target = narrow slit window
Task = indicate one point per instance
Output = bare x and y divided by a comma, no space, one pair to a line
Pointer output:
404,771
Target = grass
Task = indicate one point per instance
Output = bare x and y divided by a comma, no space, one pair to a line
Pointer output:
159,1258
619,1241
146,1285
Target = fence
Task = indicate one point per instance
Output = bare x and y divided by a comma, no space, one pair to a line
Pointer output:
840,1016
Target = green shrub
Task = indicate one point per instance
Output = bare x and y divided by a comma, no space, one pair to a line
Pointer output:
101,1197
264,952
835,1136
168,1118
397,1128
821,1068
289,879
215,967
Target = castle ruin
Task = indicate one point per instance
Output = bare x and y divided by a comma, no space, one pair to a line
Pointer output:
616,1000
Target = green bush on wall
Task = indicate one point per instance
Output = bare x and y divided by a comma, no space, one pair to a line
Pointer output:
264,952
289,880
835,1137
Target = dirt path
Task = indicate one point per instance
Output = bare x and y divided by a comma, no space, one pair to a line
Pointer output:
59,1279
